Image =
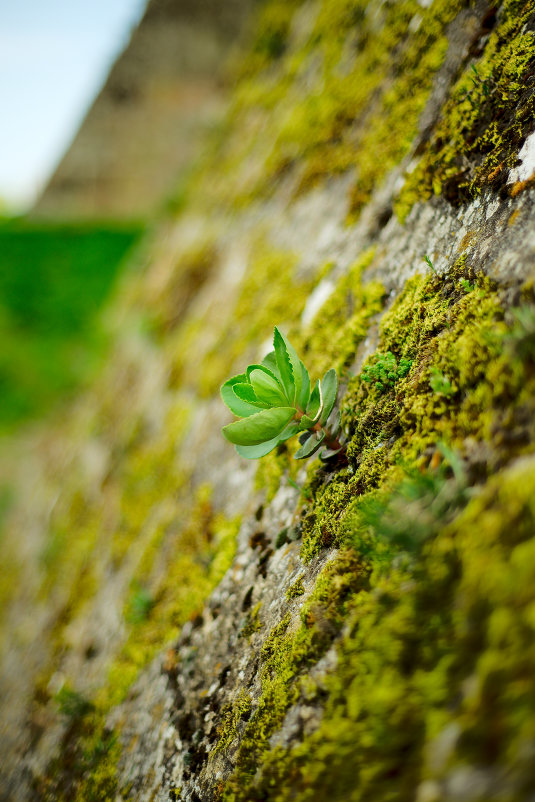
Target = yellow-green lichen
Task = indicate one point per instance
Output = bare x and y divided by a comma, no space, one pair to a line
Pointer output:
251,623
487,116
436,325
287,652
441,643
295,590
346,92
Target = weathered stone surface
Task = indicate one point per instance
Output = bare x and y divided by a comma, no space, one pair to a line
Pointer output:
368,636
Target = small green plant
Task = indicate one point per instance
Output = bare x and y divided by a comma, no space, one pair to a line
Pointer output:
467,287
429,263
275,402
478,83
440,383
385,370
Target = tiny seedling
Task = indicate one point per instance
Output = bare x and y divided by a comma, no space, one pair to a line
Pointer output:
274,401
467,287
429,263
478,83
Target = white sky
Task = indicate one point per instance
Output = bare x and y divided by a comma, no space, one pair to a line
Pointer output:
54,57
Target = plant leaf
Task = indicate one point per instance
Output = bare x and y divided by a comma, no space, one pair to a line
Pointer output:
329,388
289,431
327,453
282,344
306,423
237,405
284,365
310,446
264,369
245,392
270,362
303,396
266,387
315,406
260,450
264,425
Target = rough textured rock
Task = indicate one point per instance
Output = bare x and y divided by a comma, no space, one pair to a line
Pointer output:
194,626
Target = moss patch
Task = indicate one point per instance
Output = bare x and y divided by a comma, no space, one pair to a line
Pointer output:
288,651
412,544
412,642
487,117
486,413
345,90
196,545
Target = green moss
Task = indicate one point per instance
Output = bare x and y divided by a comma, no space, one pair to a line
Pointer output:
252,622
295,590
197,545
198,555
439,328
233,719
486,118
85,769
413,60
270,38
443,640
290,648
345,91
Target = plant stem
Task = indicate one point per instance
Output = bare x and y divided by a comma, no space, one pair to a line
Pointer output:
331,441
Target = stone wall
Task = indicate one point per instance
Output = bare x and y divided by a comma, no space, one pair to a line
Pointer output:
186,624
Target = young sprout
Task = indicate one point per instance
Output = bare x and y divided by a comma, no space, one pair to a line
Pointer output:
275,402
429,263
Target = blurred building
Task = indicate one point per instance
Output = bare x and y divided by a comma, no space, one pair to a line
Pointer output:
143,129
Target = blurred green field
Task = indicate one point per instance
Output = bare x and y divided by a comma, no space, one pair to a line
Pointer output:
54,279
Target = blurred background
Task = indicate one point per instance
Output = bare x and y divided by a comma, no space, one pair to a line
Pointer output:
54,274
103,106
